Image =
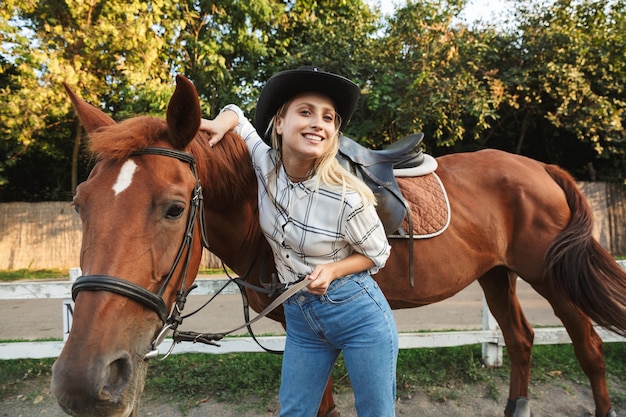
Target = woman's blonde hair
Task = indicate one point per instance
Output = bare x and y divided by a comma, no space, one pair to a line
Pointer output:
327,168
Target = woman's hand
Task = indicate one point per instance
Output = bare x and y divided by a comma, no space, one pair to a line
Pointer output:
218,127
324,274
215,129
321,277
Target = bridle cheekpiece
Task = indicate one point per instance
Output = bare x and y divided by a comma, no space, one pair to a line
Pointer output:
135,292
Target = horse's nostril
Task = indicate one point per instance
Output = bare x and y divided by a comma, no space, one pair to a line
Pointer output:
97,390
118,374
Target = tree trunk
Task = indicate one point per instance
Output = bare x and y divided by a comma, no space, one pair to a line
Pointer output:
522,135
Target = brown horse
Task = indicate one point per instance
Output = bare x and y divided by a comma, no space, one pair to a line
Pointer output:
511,216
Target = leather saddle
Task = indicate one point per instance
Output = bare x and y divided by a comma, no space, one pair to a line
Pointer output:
375,168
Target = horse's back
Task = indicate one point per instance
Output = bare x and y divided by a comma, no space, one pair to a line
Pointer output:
490,168
505,211
493,177
513,197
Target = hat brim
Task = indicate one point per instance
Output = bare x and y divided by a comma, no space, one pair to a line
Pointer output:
287,84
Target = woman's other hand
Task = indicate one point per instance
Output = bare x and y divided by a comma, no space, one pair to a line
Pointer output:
215,128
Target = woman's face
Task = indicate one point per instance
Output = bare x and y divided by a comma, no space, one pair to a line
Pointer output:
308,126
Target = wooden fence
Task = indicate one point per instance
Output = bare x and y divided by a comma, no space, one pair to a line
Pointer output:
489,336
48,236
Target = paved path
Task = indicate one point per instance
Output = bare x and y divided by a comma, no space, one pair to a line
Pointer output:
37,319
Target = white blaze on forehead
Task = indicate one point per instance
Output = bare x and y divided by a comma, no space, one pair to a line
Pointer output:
125,178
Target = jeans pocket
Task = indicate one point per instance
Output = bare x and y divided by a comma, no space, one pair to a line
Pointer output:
377,297
348,290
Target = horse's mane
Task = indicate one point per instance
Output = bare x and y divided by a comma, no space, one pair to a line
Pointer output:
118,141
225,170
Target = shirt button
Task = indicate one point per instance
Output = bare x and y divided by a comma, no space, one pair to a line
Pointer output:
301,298
287,256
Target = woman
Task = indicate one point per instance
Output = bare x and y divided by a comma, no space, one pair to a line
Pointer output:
322,226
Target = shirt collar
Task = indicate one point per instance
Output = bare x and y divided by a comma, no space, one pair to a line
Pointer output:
301,189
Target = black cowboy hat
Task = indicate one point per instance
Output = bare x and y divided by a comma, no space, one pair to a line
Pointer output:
285,84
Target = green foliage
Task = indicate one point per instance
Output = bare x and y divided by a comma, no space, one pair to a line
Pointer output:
566,74
190,378
549,83
440,77
219,46
15,274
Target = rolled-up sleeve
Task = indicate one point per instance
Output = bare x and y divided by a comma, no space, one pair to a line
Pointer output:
244,127
367,236
262,155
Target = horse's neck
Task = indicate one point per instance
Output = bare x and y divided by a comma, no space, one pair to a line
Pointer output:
234,235
230,204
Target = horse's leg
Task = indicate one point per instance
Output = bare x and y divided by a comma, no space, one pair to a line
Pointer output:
499,286
327,406
587,347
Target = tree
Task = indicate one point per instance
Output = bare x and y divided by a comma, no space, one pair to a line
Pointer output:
565,69
436,77
109,51
123,55
9,147
549,84
219,46
336,36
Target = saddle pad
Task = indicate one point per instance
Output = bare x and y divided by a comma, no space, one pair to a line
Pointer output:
429,204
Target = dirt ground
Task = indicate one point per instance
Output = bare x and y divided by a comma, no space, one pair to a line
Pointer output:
41,318
557,399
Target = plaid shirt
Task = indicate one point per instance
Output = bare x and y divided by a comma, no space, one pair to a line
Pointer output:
307,227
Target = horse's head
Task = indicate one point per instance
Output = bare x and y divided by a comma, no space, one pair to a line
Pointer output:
142,244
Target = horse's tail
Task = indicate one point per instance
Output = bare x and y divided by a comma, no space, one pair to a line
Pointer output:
582,270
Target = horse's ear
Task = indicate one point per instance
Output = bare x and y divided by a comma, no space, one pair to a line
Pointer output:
183,113
90,117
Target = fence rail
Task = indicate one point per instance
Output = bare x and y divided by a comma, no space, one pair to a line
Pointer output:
489,337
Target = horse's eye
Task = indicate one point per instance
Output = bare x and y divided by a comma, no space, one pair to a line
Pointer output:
175,211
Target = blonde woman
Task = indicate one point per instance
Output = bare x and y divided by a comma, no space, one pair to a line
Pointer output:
322,225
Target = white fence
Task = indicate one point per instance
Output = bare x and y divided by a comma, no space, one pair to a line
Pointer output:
490,336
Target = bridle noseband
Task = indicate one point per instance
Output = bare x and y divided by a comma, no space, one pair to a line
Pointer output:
135,292
121,287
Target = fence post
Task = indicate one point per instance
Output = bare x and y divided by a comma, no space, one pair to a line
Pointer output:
68,306
492,352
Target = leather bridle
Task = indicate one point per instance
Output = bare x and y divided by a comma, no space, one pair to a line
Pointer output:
155,300
135,292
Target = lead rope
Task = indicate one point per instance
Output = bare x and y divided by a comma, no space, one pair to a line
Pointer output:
210,338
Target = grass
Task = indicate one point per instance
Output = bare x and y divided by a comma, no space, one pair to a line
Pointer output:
19,274
8,275
191,378
235,375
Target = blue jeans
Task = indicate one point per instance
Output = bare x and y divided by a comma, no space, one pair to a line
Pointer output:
353,317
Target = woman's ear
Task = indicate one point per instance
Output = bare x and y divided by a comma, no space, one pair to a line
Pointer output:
278,125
